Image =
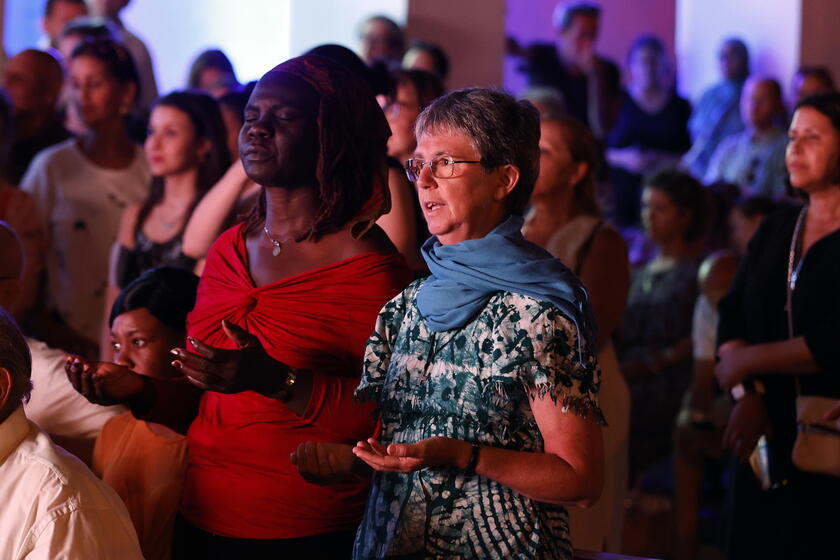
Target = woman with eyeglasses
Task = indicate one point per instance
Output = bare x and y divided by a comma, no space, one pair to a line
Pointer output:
483,372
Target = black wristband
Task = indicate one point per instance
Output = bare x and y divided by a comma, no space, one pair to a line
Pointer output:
470,470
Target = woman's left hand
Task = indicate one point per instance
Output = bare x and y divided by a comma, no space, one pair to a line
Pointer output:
410,457
733,366
249,368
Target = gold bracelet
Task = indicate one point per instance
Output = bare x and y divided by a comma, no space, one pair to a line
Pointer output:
285,392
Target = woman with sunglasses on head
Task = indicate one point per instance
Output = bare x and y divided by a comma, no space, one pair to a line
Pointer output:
777,340
82,186
483,372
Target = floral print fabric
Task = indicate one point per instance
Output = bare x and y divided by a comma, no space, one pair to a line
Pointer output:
472,384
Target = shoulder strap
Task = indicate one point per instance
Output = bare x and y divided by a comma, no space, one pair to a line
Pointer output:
791,281
586,246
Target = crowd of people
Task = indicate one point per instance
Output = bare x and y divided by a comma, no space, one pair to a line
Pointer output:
343,312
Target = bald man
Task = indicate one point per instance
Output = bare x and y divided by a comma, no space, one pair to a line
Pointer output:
33,80
54,405
755,158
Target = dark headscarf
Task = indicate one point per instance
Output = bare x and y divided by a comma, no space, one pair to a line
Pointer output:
352,141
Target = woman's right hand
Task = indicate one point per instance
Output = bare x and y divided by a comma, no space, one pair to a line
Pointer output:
747,423
327,463
103,383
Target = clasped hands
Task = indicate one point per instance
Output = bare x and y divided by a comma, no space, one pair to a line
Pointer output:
248,368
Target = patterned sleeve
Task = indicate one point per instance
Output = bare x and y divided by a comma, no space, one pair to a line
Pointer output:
536,345
381,343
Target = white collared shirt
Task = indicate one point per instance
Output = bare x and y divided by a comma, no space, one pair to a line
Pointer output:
52,506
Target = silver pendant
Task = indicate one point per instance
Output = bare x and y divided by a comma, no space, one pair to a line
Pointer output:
276,250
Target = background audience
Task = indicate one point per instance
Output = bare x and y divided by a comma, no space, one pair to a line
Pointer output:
716,114
754,158
81,187
650,133
33,79
590,84
655,336
57,13
212,72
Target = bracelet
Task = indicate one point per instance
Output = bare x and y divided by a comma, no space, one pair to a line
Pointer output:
470,470
289,382
748,386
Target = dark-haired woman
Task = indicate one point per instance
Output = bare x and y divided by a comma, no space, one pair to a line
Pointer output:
81,187
143,461
404,224
565,218
285,304
652,128
655,338
187,154
779,326
212,72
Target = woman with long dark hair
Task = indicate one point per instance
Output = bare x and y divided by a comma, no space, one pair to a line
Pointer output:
187,154
777,340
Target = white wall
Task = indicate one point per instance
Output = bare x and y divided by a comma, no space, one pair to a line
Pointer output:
253,33
315,22
770,28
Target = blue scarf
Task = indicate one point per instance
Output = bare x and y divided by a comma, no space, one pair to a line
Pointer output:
465,275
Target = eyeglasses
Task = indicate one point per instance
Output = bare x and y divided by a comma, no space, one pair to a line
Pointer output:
442,167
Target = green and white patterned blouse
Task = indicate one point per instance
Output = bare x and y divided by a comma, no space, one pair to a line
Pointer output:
472,384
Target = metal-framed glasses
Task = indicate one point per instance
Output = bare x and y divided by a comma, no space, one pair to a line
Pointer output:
441,168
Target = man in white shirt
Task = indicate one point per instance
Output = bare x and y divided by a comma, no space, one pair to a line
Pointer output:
54,405
52,506
110,10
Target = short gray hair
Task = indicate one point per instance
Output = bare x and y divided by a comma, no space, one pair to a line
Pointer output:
14,357
501,129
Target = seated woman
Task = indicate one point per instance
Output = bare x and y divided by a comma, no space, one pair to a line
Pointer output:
284,307
187,154
652,128
81,187
565,218
145,462
655,338
483,373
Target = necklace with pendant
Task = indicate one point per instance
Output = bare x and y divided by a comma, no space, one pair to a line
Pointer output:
278,245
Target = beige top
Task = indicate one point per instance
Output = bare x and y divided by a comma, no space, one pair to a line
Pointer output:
147,471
